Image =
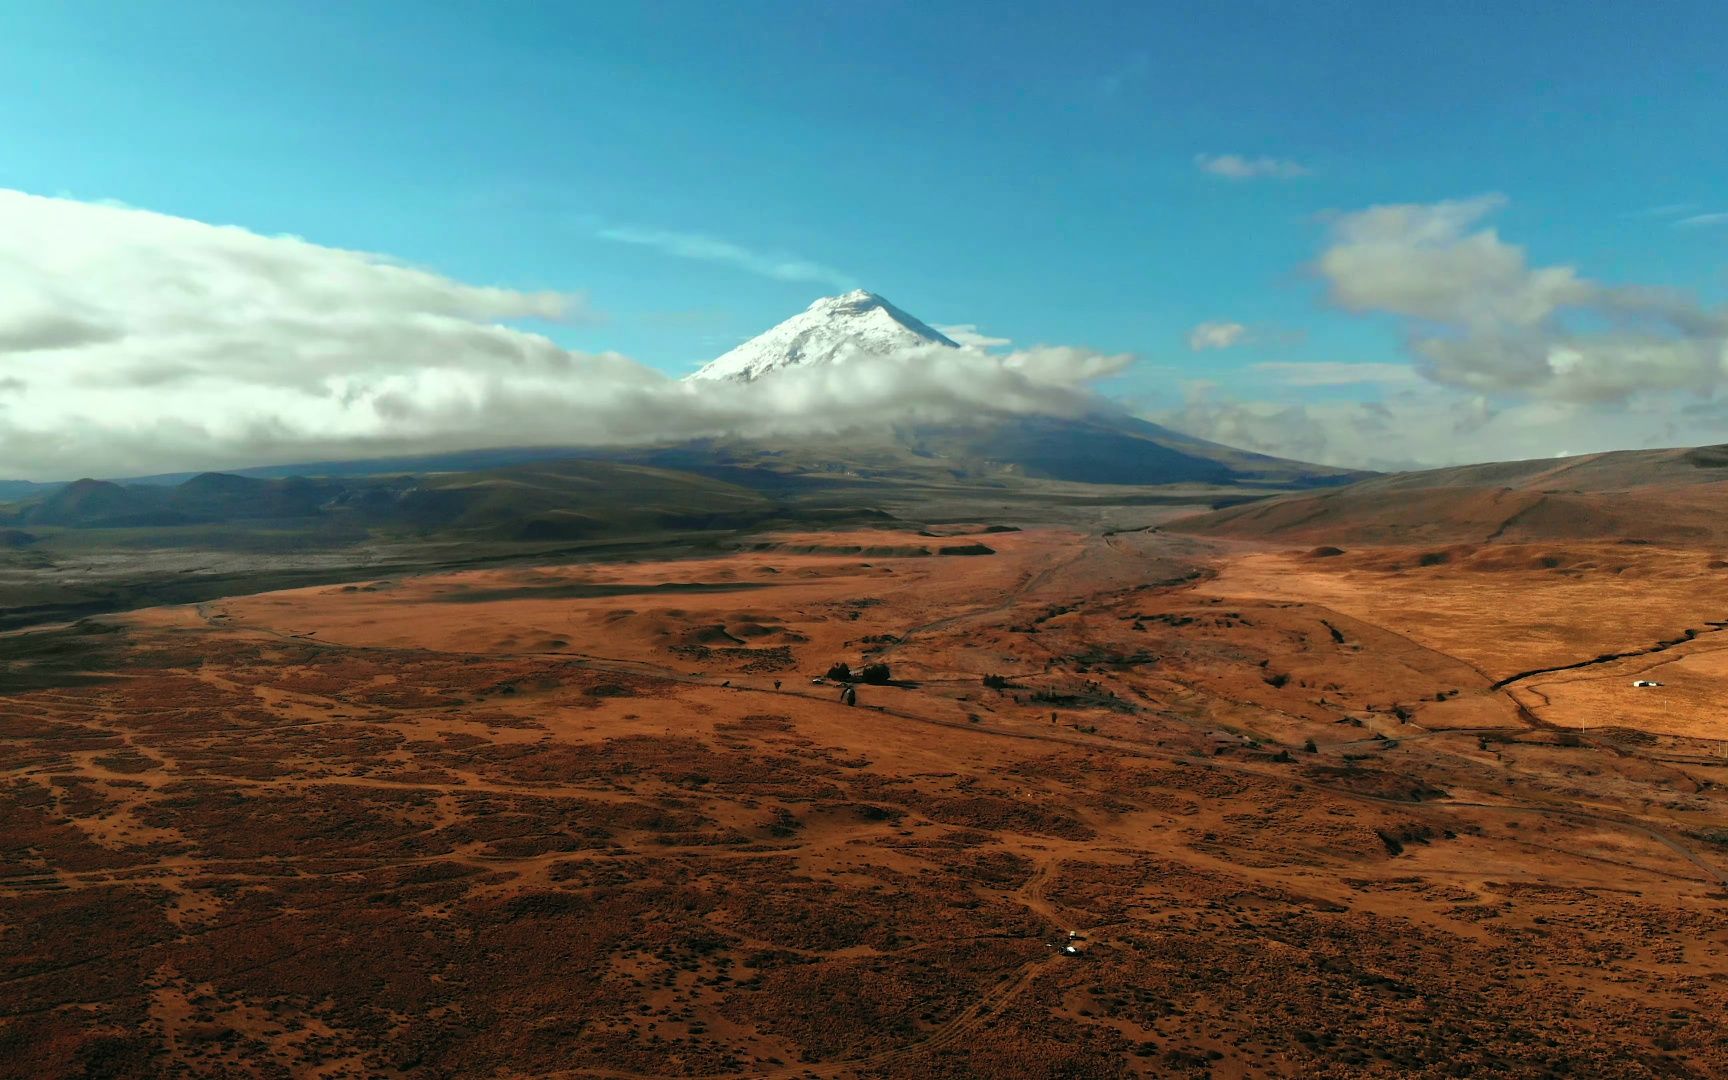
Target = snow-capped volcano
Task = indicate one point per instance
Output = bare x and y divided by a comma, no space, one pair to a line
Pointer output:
856,322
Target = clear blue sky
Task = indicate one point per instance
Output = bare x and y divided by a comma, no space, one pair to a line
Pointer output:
1028,167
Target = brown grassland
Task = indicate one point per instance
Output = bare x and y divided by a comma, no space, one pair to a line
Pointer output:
1389,812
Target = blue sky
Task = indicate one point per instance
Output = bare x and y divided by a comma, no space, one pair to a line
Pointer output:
1029,168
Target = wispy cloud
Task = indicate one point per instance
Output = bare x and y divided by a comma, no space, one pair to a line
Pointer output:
1685,215
1238,167
1119,78
1666,210
1217,335
968,334
1333,373
770,264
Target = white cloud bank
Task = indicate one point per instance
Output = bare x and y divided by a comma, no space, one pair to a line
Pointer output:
1479,317
134,342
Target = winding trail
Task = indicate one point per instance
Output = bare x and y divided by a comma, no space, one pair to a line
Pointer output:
1689,635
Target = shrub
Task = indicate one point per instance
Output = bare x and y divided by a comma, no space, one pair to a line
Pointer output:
996,682
875,673
840,672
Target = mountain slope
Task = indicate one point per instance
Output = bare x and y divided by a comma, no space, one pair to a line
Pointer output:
1108,448
830,329
99,502
1104,447
1656,495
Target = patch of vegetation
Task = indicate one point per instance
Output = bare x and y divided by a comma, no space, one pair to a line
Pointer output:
1110,659
1091,696
1713,837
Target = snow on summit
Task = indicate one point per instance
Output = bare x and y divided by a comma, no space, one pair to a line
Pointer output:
856,322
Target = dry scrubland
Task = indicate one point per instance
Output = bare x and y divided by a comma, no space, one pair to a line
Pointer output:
1313,813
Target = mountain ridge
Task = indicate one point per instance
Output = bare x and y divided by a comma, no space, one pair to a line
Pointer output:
1661,495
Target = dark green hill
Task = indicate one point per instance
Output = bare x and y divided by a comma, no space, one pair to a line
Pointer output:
541,501
572,500
100,503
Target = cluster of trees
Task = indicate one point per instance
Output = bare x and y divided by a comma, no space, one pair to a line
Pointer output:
876,674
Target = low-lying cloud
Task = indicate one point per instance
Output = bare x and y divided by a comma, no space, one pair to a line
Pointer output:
133,342
1425,426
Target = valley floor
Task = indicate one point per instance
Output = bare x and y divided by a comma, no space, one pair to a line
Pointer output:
1384,812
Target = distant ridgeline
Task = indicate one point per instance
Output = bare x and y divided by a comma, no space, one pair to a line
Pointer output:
1656,496
570,492
540,501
